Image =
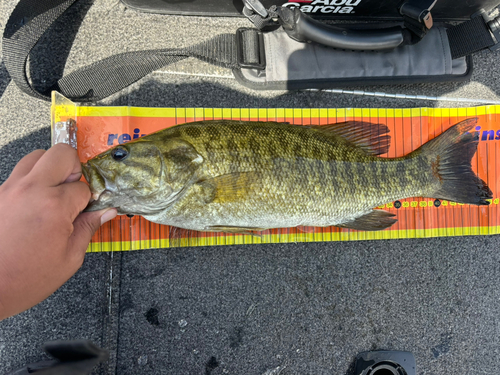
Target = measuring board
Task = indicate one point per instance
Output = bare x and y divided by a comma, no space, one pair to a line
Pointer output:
99,128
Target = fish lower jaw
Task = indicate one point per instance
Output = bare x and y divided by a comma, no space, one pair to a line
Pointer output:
95,195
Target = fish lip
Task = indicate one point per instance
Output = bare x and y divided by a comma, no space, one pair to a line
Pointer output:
86,171
95,204
95,194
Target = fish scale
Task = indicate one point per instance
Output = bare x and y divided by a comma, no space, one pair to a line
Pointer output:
311,158
225,175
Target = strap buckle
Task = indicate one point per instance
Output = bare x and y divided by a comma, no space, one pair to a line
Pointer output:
255,6
420,13
250,49
493,24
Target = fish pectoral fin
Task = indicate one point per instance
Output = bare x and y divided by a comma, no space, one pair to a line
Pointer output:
371,138
230,187
375,220
235,230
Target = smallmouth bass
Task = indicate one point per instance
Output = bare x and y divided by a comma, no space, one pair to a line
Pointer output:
244,176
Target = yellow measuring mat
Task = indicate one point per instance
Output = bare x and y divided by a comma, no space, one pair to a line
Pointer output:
95,129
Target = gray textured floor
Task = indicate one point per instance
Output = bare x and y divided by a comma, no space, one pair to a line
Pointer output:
307,308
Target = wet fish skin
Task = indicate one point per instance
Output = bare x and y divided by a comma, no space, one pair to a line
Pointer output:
225,175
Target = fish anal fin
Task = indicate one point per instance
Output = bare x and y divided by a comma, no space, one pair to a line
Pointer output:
371,138
179,236
235,230
305,229
375,220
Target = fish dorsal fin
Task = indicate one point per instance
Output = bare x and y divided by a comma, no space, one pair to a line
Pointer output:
371,138
230,187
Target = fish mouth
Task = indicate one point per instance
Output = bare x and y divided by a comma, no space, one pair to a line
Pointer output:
97,188
96,196
86,171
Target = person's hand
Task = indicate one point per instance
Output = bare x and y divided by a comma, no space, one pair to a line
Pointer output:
43,234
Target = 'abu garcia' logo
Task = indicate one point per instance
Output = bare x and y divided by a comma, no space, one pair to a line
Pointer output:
323,6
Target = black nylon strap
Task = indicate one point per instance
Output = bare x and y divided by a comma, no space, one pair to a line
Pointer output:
469,37
26,25
110,75
32,18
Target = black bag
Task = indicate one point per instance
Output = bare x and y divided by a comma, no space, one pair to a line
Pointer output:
287,48
352,10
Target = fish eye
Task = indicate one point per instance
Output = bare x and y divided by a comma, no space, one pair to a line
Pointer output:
119,153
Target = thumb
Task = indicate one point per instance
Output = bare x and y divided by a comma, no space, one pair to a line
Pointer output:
85,225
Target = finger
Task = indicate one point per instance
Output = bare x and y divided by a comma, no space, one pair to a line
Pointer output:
84,227
25,165
56,165
76,196
75,176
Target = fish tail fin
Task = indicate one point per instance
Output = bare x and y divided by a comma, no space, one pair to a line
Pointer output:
450,155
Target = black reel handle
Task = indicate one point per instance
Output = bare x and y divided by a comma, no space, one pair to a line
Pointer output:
304,28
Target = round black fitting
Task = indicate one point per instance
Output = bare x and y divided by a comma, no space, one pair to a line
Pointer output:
385,362
385,368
